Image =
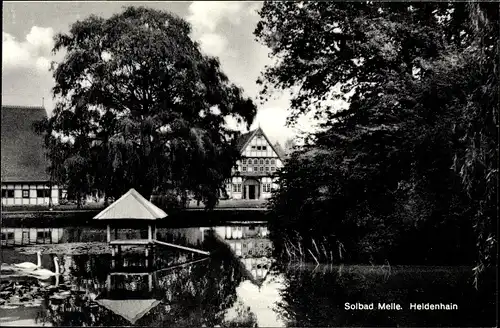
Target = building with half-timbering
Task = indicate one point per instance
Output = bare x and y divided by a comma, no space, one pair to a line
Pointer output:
253,177
25,180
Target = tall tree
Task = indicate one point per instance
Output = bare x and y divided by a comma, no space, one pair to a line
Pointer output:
382,166
138,105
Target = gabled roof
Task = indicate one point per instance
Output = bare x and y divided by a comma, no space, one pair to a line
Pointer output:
131,310
131,206
254,279
245,139
23,152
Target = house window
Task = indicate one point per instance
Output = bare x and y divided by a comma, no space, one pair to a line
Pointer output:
262,169
7,235
26,193
256,161
42,193
43,234
267,187
261,161
258,147
264,147
244,168
243,161
254,147
255,169
7,193
267,162
273,169
273,161
267,168
237,187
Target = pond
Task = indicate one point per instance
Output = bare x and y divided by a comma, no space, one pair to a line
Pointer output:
239,284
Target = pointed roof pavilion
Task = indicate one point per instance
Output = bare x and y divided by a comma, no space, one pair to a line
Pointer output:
132,310
133,206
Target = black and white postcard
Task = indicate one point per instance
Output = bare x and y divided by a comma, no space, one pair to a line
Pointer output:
250,164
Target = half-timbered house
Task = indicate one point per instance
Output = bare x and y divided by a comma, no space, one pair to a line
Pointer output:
25,180
253,175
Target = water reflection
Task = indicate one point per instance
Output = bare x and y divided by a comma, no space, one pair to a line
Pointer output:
29,236
240,285
251,245
257,294
176,288
15,237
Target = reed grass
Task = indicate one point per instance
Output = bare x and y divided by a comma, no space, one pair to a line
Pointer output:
311,250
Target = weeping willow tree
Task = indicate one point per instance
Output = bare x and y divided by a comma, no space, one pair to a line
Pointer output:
139,105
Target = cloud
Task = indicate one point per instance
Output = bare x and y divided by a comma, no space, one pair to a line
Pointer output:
213,44
32,53
254,7
206,16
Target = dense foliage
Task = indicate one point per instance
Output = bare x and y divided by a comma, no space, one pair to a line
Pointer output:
408,171
316,296
138,105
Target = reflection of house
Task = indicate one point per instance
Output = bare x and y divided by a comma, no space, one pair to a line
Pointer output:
239,232
258,268
246,241
252,178
26,236
250,244
24,177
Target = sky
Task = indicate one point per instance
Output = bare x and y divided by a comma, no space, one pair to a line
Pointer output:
223,29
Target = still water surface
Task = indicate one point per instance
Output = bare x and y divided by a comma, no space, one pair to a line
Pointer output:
240,284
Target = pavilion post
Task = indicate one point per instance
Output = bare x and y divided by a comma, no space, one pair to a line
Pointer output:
150,233
154,232
108,233
108,283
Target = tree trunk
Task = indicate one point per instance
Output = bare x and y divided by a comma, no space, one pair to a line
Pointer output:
184,199
78,201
